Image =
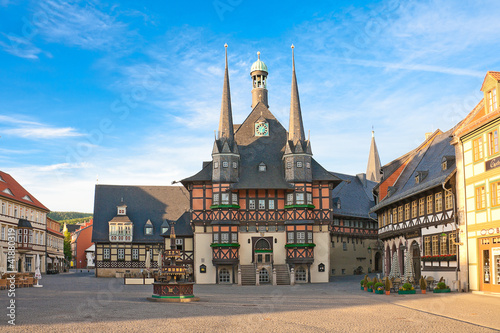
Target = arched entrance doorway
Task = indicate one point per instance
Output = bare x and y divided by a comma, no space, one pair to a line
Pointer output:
387,260
263,253
378,261
416,260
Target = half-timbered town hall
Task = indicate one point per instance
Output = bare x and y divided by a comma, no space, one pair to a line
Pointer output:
261,208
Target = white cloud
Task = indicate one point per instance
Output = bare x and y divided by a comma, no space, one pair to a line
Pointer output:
43,132
80,23
19,46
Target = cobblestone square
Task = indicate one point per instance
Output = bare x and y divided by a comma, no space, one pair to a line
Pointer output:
80,302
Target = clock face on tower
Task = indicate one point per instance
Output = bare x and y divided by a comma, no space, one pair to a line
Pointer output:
261,129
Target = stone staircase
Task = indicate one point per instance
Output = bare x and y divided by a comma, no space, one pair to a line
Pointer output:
248,275
282,275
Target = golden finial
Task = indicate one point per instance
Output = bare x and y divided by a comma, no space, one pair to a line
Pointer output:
225,45
293,46
258,55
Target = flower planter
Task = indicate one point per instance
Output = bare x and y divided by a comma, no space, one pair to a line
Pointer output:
424,291
388,292
438,291
404,292
365,288
370,290
381,292
362,288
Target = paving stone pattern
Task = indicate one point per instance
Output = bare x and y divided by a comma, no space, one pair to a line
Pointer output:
79,302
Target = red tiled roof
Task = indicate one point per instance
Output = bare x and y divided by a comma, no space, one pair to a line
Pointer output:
18,192
495,75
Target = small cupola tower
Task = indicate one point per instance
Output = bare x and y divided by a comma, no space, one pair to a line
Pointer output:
259,72
225,155
298,153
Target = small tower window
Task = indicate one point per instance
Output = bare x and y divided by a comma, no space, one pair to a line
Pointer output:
308,165
299,164
225,164
216,165
235,165
262,167
288,165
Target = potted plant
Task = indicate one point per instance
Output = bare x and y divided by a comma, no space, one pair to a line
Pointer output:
370,286
387,286
441,287
407,288
423,284
362,284
379,288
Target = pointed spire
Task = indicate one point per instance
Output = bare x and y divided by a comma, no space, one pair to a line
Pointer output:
226,114
374,166
296,129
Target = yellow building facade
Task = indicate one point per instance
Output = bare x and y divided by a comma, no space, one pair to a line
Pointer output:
478,190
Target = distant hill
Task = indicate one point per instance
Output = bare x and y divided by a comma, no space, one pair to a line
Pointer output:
70,217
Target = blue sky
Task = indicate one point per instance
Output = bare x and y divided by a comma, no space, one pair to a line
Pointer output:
129,92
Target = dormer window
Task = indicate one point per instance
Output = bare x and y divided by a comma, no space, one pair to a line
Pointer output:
444,165
164,227
492,100
262,167
420,176
122,210
26,197
446,162
148,228
7,191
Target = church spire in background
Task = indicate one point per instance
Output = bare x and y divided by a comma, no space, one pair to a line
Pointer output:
226,114
373,168
296,129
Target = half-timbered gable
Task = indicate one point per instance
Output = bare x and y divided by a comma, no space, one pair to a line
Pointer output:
129,222
418,214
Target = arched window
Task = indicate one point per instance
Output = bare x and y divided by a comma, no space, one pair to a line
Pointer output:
301,274
224,276
262,244
263,276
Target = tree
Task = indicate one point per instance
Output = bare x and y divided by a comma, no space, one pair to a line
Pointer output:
67,244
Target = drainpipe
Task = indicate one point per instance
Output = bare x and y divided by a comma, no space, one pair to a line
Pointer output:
456,232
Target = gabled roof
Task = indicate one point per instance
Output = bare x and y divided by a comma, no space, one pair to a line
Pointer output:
355,196
255,150
182,226
154,203
427,160
492,74
265,149
9,185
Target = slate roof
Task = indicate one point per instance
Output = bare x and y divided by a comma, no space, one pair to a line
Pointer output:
255,150
428,159
72,227
155,203
19,193
356,198
182,226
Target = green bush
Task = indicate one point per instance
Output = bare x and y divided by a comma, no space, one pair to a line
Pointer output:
407,286
441,285
379,286
362,282
369,284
